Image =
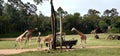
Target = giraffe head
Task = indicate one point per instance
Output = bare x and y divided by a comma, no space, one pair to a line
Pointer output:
73,29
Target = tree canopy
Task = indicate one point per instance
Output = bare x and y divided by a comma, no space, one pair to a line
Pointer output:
16,17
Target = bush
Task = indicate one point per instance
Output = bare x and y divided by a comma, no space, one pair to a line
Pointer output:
114,30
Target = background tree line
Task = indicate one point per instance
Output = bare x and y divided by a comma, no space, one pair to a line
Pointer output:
16,17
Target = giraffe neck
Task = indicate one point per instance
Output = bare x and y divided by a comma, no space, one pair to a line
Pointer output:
80,33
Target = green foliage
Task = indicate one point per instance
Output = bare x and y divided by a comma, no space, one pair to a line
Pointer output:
103,25
38,1
89,22
71,21
115,26
1,7
18,17
114,30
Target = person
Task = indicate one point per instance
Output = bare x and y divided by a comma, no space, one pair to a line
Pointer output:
38,40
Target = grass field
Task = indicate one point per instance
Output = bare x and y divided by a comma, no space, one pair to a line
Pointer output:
90,41
79,52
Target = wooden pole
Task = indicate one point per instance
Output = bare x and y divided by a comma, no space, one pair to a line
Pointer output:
60,30
53,24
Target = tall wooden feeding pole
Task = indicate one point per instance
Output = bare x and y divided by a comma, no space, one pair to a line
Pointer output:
53,25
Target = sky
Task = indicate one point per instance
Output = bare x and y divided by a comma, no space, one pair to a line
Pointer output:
81,6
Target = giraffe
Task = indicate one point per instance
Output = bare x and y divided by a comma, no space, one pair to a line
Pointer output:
48,39
94,31
83,37
20,38
29,34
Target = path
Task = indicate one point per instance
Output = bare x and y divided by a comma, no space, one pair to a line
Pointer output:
16,51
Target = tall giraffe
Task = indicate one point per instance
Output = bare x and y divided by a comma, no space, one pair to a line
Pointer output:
29,34
19,39
48,39
83,37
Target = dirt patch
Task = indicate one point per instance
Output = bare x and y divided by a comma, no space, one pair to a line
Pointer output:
7,38
16,51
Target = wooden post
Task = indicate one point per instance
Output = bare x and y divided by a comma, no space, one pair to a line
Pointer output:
53,24
60,30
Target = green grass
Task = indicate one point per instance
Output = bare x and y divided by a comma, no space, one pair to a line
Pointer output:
79,52
90,41
11,44
7,44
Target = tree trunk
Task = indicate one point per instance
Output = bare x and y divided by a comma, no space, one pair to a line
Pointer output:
53,25
61,31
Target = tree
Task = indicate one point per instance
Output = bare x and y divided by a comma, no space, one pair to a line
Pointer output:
103,25
1,7
93,12
18,4
110,15
114,12
10,17
89,23
76,14
90,20
115,27
71,20
60,13
53,21
38,1
107,13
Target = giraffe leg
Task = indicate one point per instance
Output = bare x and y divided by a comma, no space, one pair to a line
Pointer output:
26,42
44,45
41,45
82,44
85,41
19,44
38,45
49,46
15,46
